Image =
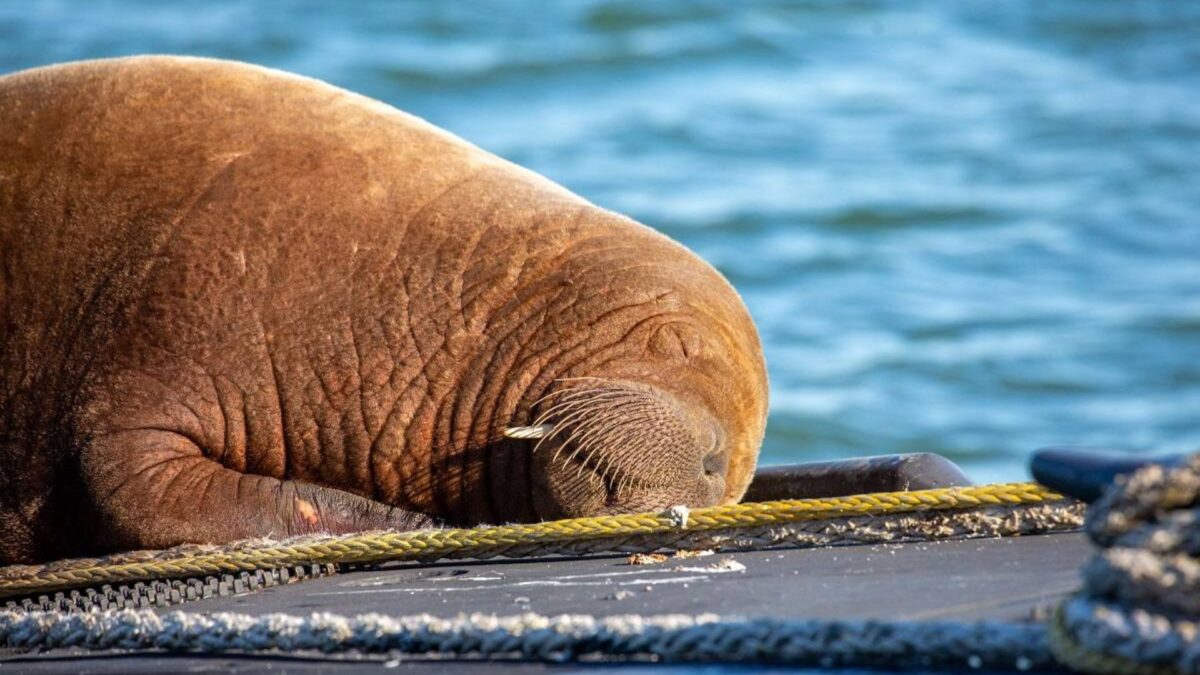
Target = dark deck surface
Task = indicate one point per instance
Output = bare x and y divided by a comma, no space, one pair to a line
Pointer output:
999,579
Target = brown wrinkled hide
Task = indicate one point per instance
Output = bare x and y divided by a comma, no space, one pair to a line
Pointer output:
235,302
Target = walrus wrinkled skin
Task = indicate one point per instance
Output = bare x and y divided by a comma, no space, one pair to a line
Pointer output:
236,302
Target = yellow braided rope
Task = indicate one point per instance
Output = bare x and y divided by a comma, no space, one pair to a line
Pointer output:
428,545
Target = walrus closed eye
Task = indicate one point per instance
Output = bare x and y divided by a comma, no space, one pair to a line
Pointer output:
240,303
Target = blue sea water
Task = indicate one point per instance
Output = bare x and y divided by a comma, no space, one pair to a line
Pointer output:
963,227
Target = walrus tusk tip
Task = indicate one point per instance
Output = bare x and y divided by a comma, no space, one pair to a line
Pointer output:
533,432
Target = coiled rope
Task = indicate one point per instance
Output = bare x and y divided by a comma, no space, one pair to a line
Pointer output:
1139,609
739,525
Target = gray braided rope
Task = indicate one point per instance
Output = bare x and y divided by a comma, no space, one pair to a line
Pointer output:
704,638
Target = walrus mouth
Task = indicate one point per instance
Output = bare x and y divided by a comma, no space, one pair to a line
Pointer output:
605,446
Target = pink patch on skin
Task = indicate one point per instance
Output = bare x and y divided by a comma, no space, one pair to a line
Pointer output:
308,512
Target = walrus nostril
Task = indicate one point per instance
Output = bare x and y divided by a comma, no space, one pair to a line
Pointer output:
715,464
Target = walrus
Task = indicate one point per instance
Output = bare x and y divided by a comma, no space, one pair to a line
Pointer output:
237,302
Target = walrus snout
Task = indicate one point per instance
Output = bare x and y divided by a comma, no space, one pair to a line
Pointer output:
608,446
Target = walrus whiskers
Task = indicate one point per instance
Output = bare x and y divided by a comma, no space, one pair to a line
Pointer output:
598,428
571,409
576,411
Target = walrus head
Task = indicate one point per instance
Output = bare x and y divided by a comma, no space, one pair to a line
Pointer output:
670,405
